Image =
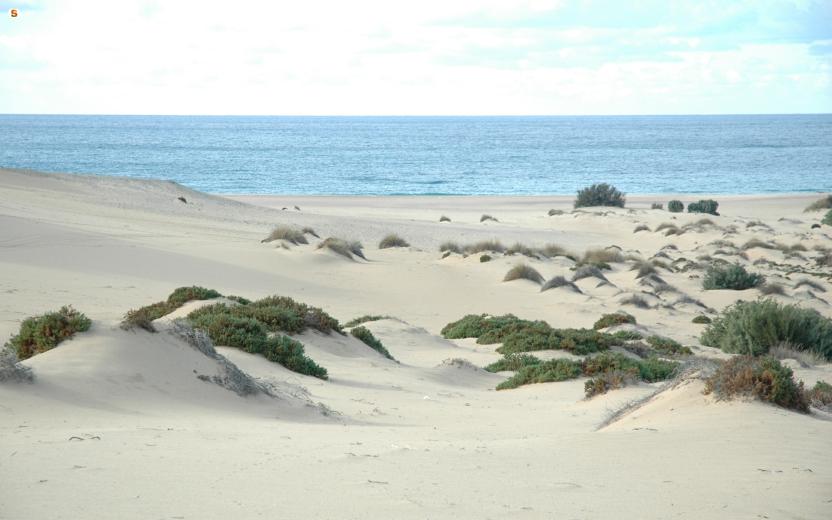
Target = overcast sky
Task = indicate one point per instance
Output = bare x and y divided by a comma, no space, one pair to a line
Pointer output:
416,57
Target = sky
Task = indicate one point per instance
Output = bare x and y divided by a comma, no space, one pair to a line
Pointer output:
425,57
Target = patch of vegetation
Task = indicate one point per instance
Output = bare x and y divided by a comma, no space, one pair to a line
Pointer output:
513,362
553,212
657,205
450,247
675,206
525,272
669,229
668,346
769,289
289,234
627,335
612,380
641,227
636,300
701,319
543,372
559,281
309,231
827,219
588,271
443,218
343,247
601,258
490,246
143,317
601,194
518,335
810,283
704,206
756,242
754,327
41,333
392,240
820,396
733,277
486,217
824,203
612,319
363,333
763,378
365,319
485,258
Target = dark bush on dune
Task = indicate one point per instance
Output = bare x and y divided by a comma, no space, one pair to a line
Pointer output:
143,317
513,362
763,378
525,272
392,240
657,205
364,335
704,206
667,346
675,206
733,277
343,247
41,333
559,281
701,319
755,327
601,194
612,319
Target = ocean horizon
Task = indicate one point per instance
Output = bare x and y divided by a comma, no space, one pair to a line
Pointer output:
434,155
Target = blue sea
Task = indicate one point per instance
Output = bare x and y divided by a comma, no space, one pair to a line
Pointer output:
434,155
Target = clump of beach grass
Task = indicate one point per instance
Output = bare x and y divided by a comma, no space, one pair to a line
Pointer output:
636,301
553,212
309,231
824,203
602,194
365,336
588,271
809,283
365,319
443,218
289,234
641,227
733,277
559,281
450,247
613,319
347,249
525,272
601,258
392,240
771,288
657,205
486,217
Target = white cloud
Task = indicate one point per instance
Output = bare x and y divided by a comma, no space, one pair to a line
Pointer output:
375,57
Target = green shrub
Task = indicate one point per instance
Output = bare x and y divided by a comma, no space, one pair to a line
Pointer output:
485,258
143,317
763,378
513,362
704,206
488,217
820,396
182,295
754,327
364,334
701,319
41,333
392,240
290,353
827,219
601,194
733,277
603,383
626,335
543,372
523,271
668,346
675,206
612,319
292,312
650,370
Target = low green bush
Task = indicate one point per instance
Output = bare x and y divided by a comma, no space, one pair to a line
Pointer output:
756,326
143,317
820,396
701,319
364,319
603,383
763,378
364,334
668,346
392,240
543,372
733,277
513,362
601,194
704,206
41,333
612,319
675,206
827,219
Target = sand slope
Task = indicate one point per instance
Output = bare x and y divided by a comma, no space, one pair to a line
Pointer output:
118,423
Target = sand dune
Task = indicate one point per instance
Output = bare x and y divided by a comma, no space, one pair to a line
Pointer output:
133,424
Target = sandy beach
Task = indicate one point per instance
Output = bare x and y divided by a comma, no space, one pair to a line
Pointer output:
117,422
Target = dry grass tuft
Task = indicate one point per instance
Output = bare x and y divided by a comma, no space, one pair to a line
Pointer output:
525,272
487,217
560,281
635,300
450,247
443,218
601,257
289,234
771,288
553,212
641,227
392,240
811,283
343,247
588,271
309,231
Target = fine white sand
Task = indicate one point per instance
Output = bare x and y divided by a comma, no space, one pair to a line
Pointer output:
118,425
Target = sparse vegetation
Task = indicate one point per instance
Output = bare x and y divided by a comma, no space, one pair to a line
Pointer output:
41,333
657,205
485,258
309,231
343,247
820,396
754,327
763,378
675,206
827,219
588,271
636,300
485,218
701,319
641,227
450,247
543,372
559,281
525,272
289,234
513,362
613,319
704,206
756,242
601,194
733,277
363,333
490,246
443,218
143,317
770,289
601,258
365,319
669,229
824,203
392,240
553,212
809,283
